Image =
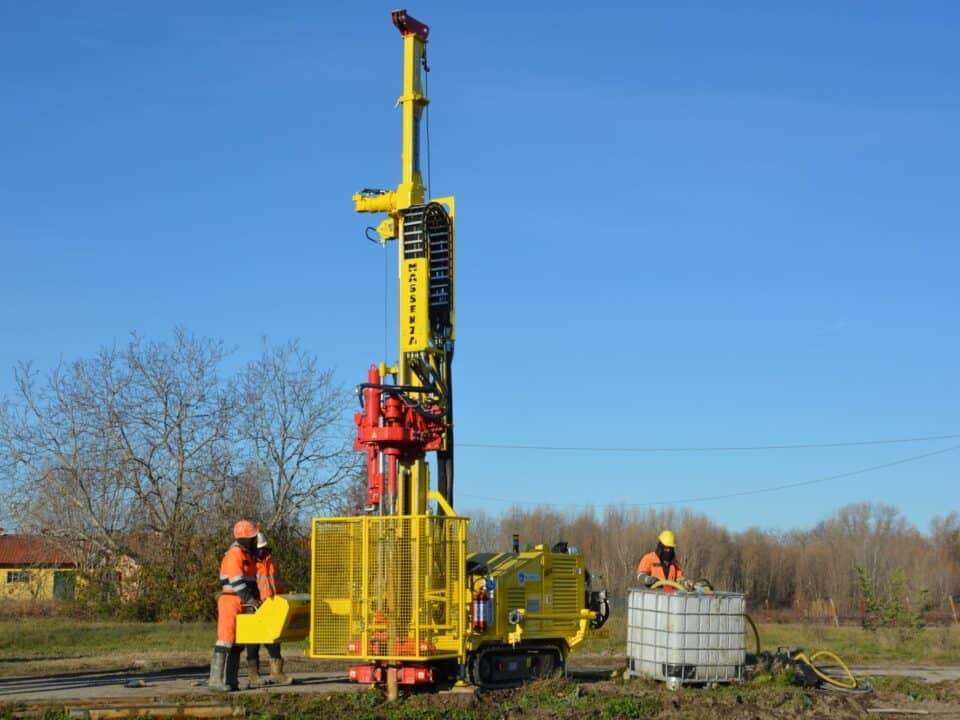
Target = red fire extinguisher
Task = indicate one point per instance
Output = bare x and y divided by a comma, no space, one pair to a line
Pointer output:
480,609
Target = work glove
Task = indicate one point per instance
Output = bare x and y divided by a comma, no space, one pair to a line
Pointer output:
647,580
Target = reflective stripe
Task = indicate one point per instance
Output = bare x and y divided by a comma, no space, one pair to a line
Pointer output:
241,584
238,585
238,574
268,579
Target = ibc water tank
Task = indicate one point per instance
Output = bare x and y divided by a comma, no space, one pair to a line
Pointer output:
685,638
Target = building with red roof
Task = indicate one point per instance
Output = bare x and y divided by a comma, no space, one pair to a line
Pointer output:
32,567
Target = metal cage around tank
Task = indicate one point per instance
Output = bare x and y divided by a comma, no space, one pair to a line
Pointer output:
686,637
389,588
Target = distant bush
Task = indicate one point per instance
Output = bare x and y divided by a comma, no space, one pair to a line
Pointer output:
893,604
32,608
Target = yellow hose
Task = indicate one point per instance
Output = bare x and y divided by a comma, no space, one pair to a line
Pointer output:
667,583
850,684
704,588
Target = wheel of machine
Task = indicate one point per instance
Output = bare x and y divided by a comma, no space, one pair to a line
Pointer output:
546,664
502,666
484,670
541,666
480,669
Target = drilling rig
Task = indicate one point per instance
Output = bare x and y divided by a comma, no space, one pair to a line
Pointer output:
394,591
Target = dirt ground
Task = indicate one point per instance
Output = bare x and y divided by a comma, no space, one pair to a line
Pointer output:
594,688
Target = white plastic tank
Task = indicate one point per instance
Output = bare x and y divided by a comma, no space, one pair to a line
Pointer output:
684,638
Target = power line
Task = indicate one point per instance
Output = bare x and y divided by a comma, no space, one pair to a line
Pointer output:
733,448
740,493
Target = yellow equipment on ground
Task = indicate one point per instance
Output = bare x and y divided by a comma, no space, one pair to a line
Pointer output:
279,619
394,590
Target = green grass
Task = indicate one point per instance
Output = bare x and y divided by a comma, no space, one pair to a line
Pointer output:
47,646
930,646
623,700
51,645
42,637
566,700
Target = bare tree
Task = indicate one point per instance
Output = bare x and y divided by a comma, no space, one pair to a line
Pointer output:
146,451
168,413
61,463
483,533
124,453
292,421
351,495
945,537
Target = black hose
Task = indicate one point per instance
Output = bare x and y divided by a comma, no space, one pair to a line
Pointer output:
756,634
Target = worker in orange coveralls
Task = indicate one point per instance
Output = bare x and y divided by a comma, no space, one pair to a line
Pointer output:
269,584
661,564
238,594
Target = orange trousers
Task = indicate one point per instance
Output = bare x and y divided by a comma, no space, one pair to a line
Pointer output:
228,607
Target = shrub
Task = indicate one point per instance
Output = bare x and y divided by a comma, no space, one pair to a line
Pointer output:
627,708
894,604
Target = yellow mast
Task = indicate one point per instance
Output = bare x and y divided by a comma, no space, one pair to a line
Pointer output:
410,191
425,277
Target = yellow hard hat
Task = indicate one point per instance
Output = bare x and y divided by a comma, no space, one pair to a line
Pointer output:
667,539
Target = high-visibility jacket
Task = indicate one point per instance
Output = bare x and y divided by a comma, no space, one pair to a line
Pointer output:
238,574
650,565
268,579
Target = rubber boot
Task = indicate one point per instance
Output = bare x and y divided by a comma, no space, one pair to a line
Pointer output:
218,669
232,674
253,673
276,672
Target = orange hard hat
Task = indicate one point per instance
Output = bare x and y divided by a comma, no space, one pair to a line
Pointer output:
245,529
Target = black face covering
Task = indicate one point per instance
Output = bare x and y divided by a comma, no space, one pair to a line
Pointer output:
665,554
248,544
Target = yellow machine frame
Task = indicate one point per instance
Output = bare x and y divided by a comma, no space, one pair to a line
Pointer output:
389,588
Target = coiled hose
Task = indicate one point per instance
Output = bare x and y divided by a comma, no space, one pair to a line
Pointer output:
847,684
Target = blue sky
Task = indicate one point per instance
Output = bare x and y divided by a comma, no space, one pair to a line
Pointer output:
679,225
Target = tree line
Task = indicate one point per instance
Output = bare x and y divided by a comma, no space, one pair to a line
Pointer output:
143,456
137,461
860,555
